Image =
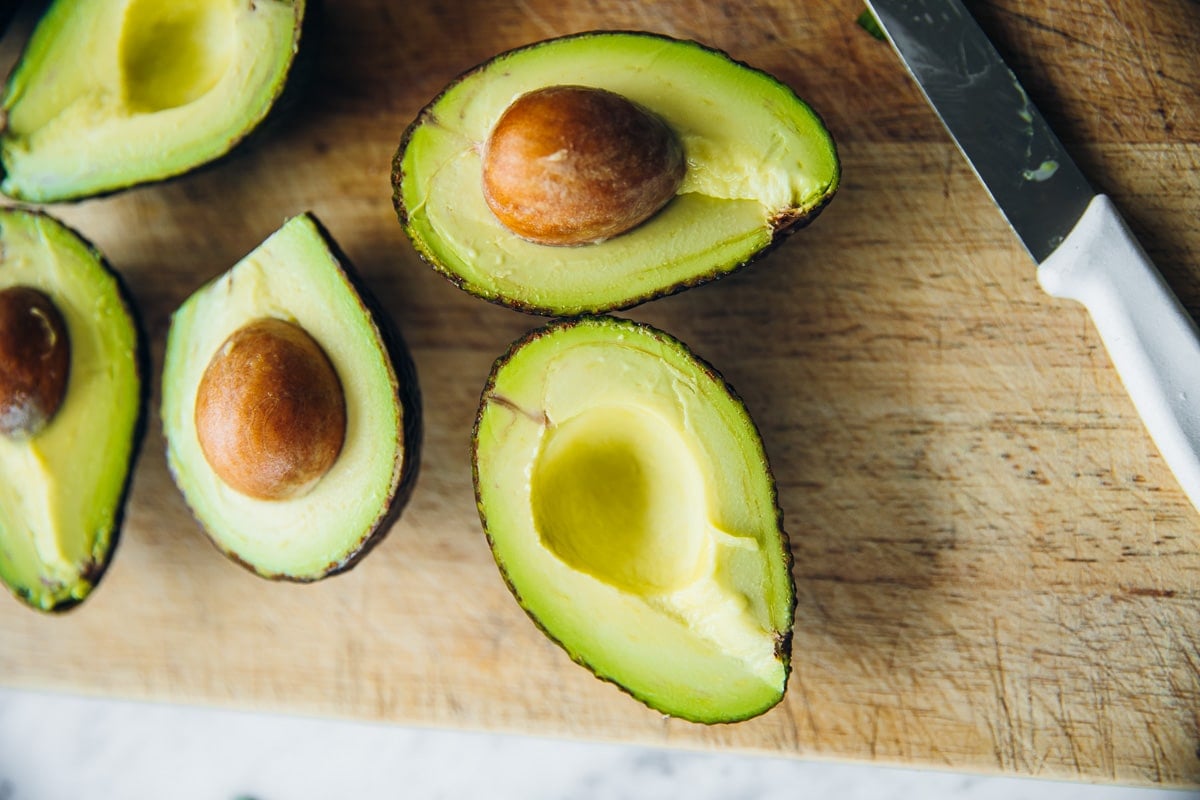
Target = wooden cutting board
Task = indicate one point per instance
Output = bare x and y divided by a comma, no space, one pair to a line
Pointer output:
995,570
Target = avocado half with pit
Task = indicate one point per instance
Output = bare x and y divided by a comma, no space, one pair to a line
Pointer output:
113,93
290,409
706,165
629,505
71,406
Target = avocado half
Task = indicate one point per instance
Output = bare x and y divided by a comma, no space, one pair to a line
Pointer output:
760,164
113,93
298,275
63,488
629,505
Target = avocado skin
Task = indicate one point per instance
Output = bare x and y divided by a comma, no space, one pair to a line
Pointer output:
409,393
783,643
142,363
302,74
784,225
282,104
8,9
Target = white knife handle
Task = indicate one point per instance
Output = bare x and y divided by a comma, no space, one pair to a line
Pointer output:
1153,342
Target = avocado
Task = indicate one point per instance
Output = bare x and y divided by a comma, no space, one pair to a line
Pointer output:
71,409
630,507
759,165
108,95
291,412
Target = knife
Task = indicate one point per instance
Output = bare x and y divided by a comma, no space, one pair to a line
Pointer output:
1083,249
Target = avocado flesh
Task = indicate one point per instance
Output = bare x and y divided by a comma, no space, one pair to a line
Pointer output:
629,505
759,162
62,490
109,94
295,276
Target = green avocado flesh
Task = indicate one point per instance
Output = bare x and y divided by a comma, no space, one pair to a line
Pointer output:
629,505
296,276
759,164
62,489
113,93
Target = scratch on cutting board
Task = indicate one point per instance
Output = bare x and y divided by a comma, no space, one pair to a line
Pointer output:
1008,727
547,30
1066,725
1138,56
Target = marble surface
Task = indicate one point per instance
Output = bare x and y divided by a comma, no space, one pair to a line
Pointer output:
59,746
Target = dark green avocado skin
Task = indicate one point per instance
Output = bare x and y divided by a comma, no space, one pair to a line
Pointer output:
8,9
300,76
783,645
410,400
142,358
784,226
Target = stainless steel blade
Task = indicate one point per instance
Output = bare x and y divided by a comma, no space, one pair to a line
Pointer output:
1003,136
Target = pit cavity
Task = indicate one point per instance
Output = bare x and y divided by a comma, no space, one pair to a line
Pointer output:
617,494
173,53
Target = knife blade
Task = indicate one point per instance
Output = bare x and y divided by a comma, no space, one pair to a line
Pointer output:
1083,248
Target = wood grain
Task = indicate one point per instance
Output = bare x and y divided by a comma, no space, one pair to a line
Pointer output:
996,571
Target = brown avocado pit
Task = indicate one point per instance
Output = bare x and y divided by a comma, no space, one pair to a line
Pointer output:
569,165
35,357
270,411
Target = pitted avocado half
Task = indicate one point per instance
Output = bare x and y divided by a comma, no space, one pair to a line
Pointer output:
759,164
71,404
291,415
630,507
113,93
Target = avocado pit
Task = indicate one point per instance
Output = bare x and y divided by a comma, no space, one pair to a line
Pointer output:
569,165
270,411
35,357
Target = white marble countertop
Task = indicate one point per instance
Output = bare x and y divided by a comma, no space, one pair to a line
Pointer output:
58,746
